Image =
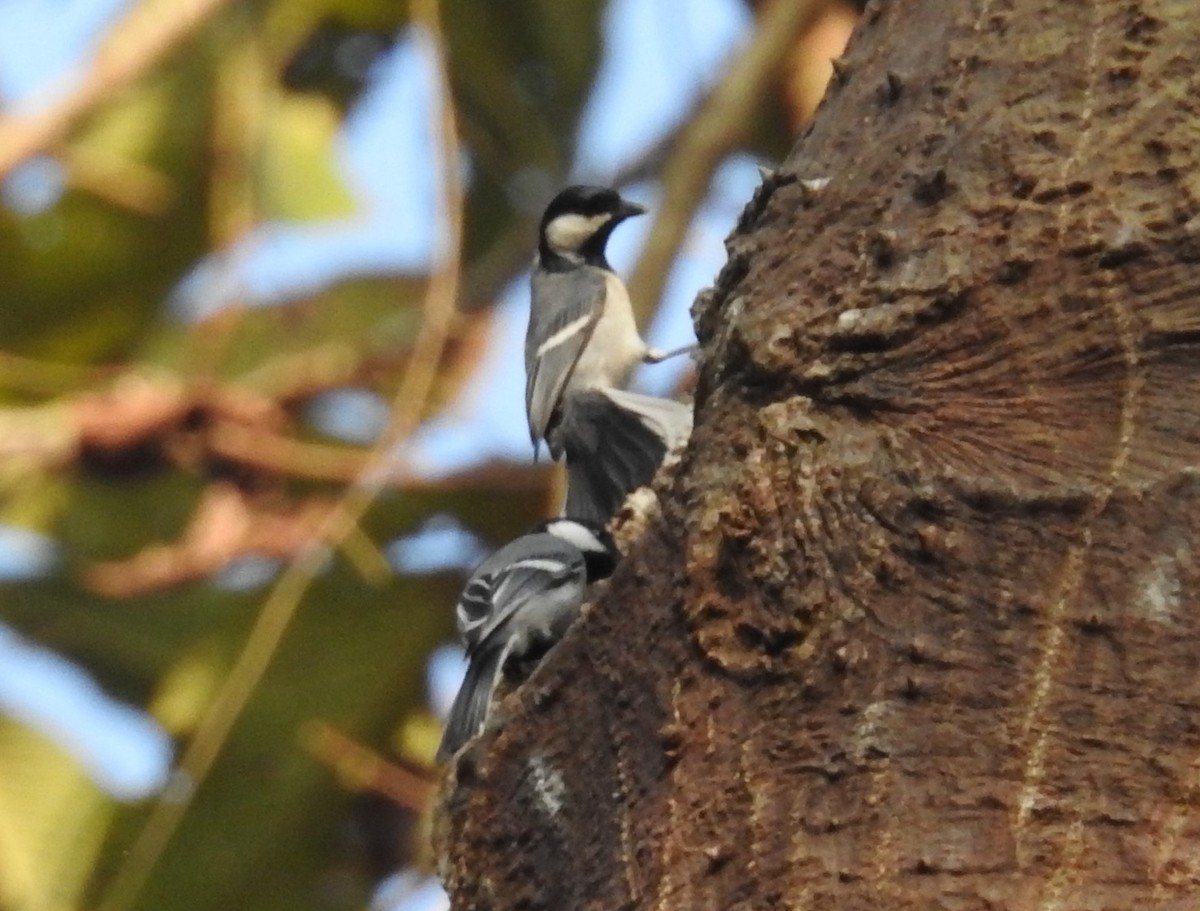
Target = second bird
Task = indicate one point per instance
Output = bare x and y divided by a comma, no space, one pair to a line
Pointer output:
517,602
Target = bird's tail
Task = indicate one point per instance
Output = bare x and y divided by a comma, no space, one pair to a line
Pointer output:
470,708
614,442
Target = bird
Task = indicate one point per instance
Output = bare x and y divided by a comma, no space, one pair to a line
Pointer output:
581,345
582,333
516,605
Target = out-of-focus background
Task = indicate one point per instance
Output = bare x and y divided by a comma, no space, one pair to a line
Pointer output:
262,301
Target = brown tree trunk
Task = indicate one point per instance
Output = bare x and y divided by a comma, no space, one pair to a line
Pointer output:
918,625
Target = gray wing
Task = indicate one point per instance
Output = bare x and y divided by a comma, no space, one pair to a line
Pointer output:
560,300
533,567
475,605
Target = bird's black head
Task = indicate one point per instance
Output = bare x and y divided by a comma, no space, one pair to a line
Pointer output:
599,551
578,221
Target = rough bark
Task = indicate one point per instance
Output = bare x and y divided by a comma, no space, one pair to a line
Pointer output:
917,627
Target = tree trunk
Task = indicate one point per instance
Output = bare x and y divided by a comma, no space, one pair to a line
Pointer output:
918,624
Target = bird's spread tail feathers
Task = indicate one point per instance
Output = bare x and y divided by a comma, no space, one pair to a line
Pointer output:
614,442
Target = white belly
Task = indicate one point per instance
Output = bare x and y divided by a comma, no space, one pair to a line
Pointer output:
615,347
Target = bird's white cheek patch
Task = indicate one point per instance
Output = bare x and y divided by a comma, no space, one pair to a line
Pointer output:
568,233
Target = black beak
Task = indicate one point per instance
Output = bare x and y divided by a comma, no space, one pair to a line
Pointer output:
629,209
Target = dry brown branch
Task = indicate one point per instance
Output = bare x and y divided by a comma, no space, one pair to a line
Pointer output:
230,523
157,414
362,769
144,37
135,408
283,455
227,524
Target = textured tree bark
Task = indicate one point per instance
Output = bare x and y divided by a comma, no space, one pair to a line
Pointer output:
918,624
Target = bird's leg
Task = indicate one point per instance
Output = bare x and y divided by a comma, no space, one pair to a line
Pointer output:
658,355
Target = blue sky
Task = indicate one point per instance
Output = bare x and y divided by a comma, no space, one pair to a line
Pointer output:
659,56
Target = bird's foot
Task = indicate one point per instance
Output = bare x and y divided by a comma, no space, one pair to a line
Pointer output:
658,355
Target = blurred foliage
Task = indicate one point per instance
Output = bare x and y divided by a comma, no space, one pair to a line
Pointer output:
52,822
117,421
